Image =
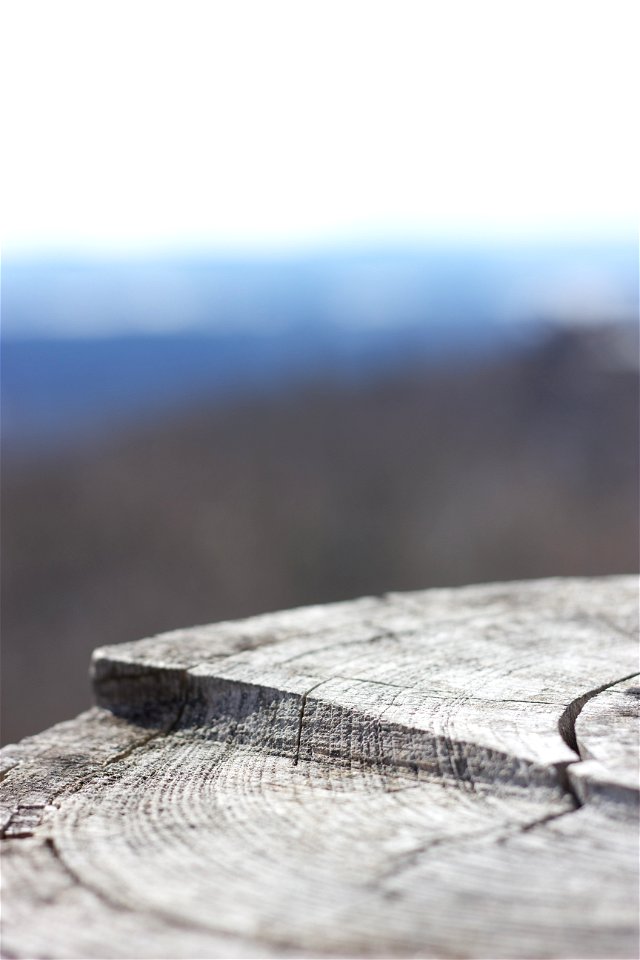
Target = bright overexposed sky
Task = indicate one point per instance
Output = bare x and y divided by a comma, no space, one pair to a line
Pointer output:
138,124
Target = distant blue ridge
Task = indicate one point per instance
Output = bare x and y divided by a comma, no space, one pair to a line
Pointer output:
57,390
91,345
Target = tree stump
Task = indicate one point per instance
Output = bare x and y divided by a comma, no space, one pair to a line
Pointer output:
449,773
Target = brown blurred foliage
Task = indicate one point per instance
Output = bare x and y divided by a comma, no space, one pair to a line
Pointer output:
524,466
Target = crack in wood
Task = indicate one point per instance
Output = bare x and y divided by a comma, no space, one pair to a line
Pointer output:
567,721
303,705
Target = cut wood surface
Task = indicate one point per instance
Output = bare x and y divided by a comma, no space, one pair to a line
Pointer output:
449,773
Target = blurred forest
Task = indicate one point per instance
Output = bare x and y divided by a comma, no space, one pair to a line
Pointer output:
520,465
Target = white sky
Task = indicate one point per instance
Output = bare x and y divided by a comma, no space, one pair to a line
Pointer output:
133,124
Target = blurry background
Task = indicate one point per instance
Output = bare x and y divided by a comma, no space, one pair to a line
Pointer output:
302,301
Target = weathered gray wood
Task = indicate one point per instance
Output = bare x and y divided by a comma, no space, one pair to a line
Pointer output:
436,774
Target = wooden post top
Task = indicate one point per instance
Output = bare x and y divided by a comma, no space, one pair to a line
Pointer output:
447,773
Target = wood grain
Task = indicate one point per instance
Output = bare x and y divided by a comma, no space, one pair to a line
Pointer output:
449,773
